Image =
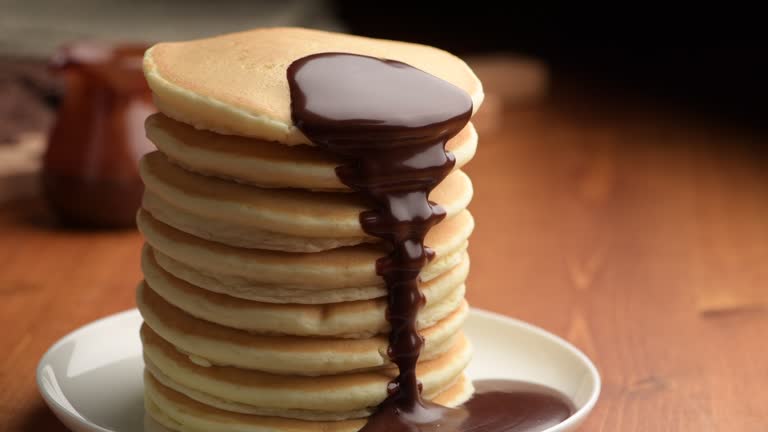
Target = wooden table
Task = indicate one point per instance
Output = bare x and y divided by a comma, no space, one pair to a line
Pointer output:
639,235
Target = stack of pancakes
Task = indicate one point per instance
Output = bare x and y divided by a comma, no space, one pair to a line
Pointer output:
263,310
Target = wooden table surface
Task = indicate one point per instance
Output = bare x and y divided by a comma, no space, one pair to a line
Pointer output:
639,235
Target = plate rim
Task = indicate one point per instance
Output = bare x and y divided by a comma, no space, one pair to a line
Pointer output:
49,400
577,417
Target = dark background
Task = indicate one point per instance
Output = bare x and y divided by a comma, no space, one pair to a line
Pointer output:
713,62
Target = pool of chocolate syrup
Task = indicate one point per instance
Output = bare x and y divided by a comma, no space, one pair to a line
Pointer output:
389,122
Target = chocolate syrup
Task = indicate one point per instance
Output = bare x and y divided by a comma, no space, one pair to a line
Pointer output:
389,123
497,406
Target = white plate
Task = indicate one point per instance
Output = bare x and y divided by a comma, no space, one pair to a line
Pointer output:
92,378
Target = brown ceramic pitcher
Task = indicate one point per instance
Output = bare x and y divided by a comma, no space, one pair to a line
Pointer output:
90,169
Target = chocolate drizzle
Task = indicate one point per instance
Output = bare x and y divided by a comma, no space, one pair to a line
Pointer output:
389,123
379,116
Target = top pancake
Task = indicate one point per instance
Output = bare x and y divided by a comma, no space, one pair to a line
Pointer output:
236,84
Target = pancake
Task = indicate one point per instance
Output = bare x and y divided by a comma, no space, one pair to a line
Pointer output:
238,287
444,294
211,344
236,84
177,412
274,219
226,405
240,236
241,272
263,163
339,396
